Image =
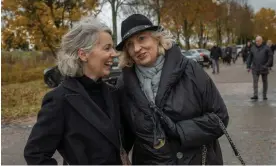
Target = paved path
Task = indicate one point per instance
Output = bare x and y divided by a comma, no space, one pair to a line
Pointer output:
252,124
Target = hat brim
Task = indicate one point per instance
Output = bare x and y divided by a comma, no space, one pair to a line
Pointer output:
133,31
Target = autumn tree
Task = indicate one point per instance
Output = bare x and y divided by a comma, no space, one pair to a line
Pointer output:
150,8
184,14
265,23
41,22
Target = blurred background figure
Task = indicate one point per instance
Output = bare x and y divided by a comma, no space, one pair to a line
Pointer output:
234,53
215,54
246,52
228,53
260,59
272,47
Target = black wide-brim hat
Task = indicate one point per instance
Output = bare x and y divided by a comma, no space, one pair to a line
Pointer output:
132,25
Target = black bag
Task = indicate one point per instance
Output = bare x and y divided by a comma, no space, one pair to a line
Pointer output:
234,148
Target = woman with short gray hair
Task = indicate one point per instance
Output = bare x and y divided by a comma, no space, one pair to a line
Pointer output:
80,118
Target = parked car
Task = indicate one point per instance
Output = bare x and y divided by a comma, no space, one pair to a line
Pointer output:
205,52
239,49
189,55
53,77
203,56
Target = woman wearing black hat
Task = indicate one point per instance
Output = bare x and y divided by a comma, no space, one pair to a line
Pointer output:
173,105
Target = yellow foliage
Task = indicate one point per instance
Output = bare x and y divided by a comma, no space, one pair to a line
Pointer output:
265,23
41,22
21,67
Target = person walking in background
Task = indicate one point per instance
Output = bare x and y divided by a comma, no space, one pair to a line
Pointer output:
228,53
272,47
234,53
259,61
246,52
215,54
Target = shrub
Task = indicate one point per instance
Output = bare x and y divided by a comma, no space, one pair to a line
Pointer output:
22,99
19,66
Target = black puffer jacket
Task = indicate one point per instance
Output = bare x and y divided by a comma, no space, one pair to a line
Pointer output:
260,59
192,97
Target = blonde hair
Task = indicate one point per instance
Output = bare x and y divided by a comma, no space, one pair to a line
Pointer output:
164,38
269,42
83,36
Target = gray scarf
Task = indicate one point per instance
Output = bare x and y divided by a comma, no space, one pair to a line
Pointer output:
149,78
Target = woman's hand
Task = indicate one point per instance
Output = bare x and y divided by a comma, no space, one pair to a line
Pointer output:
168,125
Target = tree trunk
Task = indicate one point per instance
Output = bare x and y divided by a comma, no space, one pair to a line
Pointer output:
114,20
178,37
228,36
200,36
219,33
186,34
158,12
45,35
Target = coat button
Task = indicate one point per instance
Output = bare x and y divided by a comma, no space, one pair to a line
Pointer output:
179,155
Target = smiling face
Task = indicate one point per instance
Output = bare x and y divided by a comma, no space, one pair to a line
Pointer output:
98,62
142,48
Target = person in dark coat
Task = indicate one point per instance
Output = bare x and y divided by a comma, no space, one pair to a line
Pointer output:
246,52
215,54
228,53
81,117
172,103
272,47
234,53
259,61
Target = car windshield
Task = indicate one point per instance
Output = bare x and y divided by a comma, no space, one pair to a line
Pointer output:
186,53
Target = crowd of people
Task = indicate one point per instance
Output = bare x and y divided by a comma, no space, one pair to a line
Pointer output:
258,58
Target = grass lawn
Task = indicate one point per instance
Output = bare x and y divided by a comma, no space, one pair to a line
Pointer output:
21,100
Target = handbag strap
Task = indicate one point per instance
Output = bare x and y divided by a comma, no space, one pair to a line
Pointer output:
123,154
234,148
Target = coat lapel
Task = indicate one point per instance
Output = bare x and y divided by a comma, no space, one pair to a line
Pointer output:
109,100
83,104
172,70
133,88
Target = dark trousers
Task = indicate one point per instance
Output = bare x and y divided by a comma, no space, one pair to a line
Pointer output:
256,75
215,65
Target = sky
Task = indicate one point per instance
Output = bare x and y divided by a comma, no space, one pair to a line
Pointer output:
106,17
258,4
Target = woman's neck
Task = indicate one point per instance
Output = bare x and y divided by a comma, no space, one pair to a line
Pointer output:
91,76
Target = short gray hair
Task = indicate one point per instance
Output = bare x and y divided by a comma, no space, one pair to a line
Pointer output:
82,36
259,37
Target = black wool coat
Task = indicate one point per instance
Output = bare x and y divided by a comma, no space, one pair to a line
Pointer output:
70,122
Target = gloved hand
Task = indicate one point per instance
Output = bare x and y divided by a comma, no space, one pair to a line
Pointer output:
248,70
168,125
